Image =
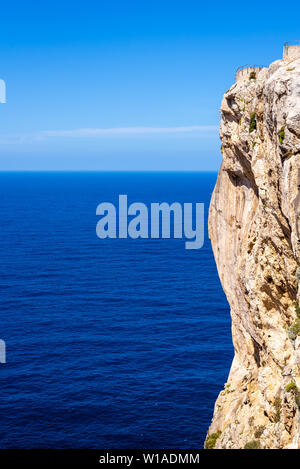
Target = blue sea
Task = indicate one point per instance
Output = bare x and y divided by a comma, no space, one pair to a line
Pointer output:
110,343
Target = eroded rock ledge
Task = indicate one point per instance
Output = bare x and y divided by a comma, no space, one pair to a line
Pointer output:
254,227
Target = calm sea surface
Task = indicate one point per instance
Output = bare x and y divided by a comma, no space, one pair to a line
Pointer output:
110,343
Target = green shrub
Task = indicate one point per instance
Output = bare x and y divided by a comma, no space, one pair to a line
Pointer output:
252,125
281,134
210,441
291,387
288,154
254,444
252,76
297,309
294,329
277,406
259,431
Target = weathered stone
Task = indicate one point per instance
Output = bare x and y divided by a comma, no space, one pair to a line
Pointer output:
254,227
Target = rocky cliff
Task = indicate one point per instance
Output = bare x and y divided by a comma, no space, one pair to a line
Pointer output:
254,228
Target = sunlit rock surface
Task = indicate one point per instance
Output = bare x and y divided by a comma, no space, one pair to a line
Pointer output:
254,228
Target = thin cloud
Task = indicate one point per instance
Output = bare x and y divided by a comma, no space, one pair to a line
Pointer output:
126,131
102,132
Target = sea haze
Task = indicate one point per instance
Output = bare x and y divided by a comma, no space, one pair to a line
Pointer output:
110,343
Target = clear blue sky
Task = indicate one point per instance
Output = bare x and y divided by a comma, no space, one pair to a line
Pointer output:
147,71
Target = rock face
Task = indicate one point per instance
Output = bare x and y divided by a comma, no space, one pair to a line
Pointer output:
254,226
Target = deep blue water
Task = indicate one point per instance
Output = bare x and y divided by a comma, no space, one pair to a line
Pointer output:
110,343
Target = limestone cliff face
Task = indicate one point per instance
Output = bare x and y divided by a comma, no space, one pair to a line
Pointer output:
254,226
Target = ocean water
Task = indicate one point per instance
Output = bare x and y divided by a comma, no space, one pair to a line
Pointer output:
110,343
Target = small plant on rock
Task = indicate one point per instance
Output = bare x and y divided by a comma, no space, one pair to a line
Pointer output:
253,124
277,407
211,440
282,134
297,309
254,444
252,76
259,431
294,329
292,387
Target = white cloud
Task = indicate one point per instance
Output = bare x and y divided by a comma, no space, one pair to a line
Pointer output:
127,131
101,132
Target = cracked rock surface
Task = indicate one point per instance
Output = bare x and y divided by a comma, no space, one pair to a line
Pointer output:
254,227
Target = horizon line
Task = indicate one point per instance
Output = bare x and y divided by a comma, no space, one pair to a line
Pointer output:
108,171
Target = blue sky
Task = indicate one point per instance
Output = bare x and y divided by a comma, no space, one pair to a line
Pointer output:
144,79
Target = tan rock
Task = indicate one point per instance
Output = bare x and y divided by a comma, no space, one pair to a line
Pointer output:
254,227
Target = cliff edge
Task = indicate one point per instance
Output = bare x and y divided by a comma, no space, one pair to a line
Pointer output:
254,227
